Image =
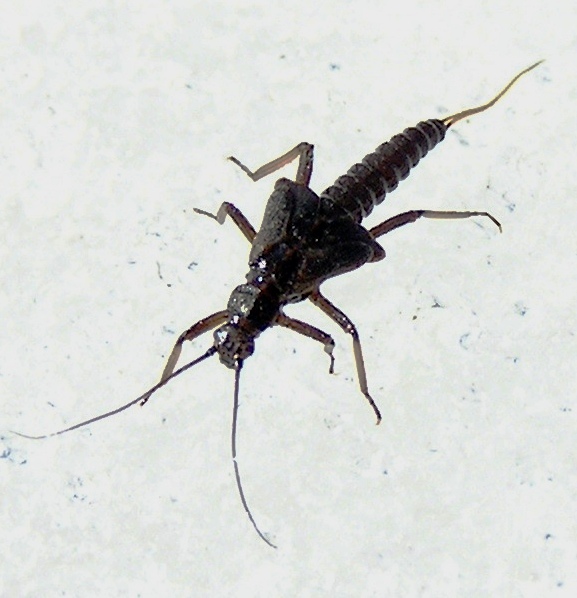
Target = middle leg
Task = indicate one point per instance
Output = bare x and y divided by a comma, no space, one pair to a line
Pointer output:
345,323
229,209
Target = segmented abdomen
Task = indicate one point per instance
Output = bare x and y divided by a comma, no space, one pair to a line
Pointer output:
366,183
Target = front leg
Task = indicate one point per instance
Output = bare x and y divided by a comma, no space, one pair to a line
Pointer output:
193,332
312,332
343,321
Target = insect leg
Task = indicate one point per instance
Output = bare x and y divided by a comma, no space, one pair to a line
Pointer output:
407,217
312,332
197,329
303,151
343,321
229,209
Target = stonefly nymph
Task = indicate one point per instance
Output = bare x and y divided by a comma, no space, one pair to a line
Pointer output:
305,239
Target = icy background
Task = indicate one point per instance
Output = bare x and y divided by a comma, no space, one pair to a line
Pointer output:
115,121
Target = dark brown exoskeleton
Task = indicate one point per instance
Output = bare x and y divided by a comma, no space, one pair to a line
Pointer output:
305,239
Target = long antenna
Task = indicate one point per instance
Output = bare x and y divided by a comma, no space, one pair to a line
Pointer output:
451,120
141,399
233,445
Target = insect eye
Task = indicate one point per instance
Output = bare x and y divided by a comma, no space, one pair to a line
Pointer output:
233,345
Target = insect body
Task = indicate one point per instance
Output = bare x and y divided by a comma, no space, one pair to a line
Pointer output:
305,239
